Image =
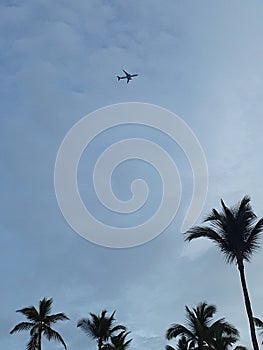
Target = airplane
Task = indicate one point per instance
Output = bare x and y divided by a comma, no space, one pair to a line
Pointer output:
128,76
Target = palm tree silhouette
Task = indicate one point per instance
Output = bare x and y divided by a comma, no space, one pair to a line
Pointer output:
40,323
237,235
100,327
200,332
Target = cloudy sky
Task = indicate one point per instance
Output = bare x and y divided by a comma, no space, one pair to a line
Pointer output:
202,60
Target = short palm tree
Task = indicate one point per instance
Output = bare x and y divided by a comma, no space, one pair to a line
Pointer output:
40,323
237,235
100,327
200,332
259,324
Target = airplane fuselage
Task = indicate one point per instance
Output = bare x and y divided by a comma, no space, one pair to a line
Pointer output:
127,76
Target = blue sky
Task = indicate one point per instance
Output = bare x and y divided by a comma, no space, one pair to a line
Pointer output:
200,59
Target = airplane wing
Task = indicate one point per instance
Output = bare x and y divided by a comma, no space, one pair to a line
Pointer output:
125,72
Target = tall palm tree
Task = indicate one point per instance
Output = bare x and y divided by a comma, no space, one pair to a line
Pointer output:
200,332
100,327
236,233
118,342
259,324
40,323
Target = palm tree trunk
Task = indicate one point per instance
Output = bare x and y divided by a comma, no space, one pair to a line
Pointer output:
100,343
39,339
248,305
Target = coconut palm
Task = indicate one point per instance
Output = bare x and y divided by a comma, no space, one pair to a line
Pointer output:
236,233
118,342
259,324
100,327
200,332
40,323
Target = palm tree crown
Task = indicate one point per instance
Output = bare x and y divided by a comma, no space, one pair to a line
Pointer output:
200,332
100,327
237,234
234,231
40,323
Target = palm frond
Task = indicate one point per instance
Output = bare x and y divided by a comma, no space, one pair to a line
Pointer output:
87,327
45,307
111,316
33,343
258,322
169,347
206,232
30,312
252,243
23,326
119,341
118,328
55,318
177,329
51,334
204,313
184,344
221,326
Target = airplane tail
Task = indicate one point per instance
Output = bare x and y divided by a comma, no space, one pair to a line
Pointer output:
119,78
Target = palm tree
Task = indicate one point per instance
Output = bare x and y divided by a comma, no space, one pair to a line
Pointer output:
40,323
236,234
100,327
200,332
259,324
118,342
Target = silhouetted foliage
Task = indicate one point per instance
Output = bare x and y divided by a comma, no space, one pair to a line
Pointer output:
100,327
118,342
237,235
200,332
40,323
